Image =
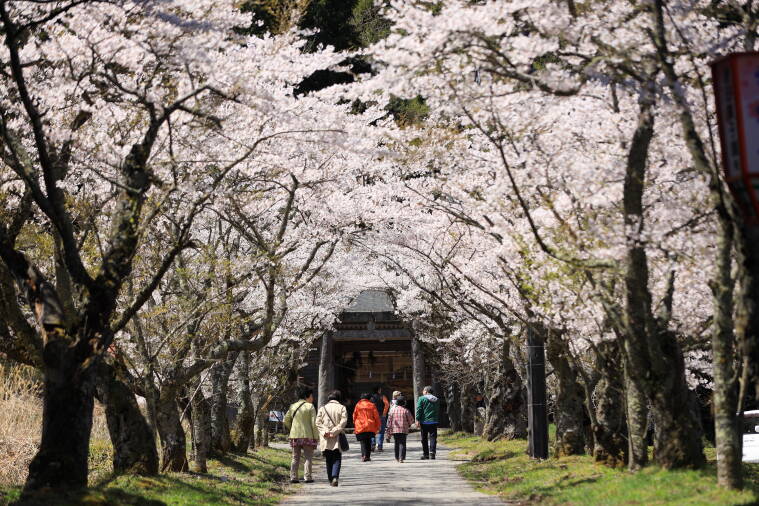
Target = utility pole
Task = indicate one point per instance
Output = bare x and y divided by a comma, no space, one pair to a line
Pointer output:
537,417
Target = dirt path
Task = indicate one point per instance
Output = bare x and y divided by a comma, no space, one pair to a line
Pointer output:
384,481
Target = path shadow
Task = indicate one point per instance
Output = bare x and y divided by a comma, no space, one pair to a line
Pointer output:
235,464
84,496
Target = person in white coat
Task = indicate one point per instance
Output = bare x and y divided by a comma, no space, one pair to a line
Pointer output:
331,421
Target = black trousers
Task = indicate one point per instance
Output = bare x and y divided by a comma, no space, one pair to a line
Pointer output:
429,438
365,438
334,460
400,445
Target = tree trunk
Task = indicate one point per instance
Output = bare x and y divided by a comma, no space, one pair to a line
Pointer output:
68,401
262,431
727,430
245,426
467,409
326,368
610,427
201,428
505,411
417,357
259,432
452,397
637,422
638,317
221,440
173,442
134,448
678,436
246,418
654,360
570,414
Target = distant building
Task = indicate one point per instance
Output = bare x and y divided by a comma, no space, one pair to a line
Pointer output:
369,346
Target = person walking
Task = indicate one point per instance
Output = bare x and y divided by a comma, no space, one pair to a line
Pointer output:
398,424
366,421
383,405
427,415
300,420
396,394
331,421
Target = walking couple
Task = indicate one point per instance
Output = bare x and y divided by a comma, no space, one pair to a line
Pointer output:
304,423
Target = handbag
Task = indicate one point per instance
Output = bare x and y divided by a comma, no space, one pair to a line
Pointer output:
312,430
342,440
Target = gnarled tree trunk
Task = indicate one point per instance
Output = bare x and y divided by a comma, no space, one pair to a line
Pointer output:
467,409
453,401
221,440
505,411
678,435
246,419
570,414
173,441
68,401
610,424
654,365
201,428
134,449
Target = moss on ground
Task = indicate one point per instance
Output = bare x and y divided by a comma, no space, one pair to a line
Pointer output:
503,468
260,477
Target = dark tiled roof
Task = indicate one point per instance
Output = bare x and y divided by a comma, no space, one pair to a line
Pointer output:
372,301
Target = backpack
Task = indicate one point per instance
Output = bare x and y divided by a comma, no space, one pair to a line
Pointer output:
379,403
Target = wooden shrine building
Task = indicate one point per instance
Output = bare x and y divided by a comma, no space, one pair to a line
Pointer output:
368,346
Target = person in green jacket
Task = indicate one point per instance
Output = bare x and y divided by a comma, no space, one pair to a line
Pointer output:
428,416
300,420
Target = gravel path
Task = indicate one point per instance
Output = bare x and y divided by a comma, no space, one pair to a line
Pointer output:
384,481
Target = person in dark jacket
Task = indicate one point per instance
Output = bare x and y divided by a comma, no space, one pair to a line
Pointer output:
383,406
428,417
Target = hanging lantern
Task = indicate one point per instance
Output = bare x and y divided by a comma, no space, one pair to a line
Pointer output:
736,86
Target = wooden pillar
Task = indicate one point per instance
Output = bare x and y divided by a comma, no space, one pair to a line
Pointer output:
326,368
537,418
417,361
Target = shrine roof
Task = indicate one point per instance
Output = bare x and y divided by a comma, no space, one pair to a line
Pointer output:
373,300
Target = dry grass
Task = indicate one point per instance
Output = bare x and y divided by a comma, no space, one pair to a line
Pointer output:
21,422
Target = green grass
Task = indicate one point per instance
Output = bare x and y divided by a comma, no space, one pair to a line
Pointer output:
503,468
260,477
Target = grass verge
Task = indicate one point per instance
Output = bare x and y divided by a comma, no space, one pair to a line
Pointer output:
503,468
259,477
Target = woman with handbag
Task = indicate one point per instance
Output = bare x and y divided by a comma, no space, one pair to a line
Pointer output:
331,421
